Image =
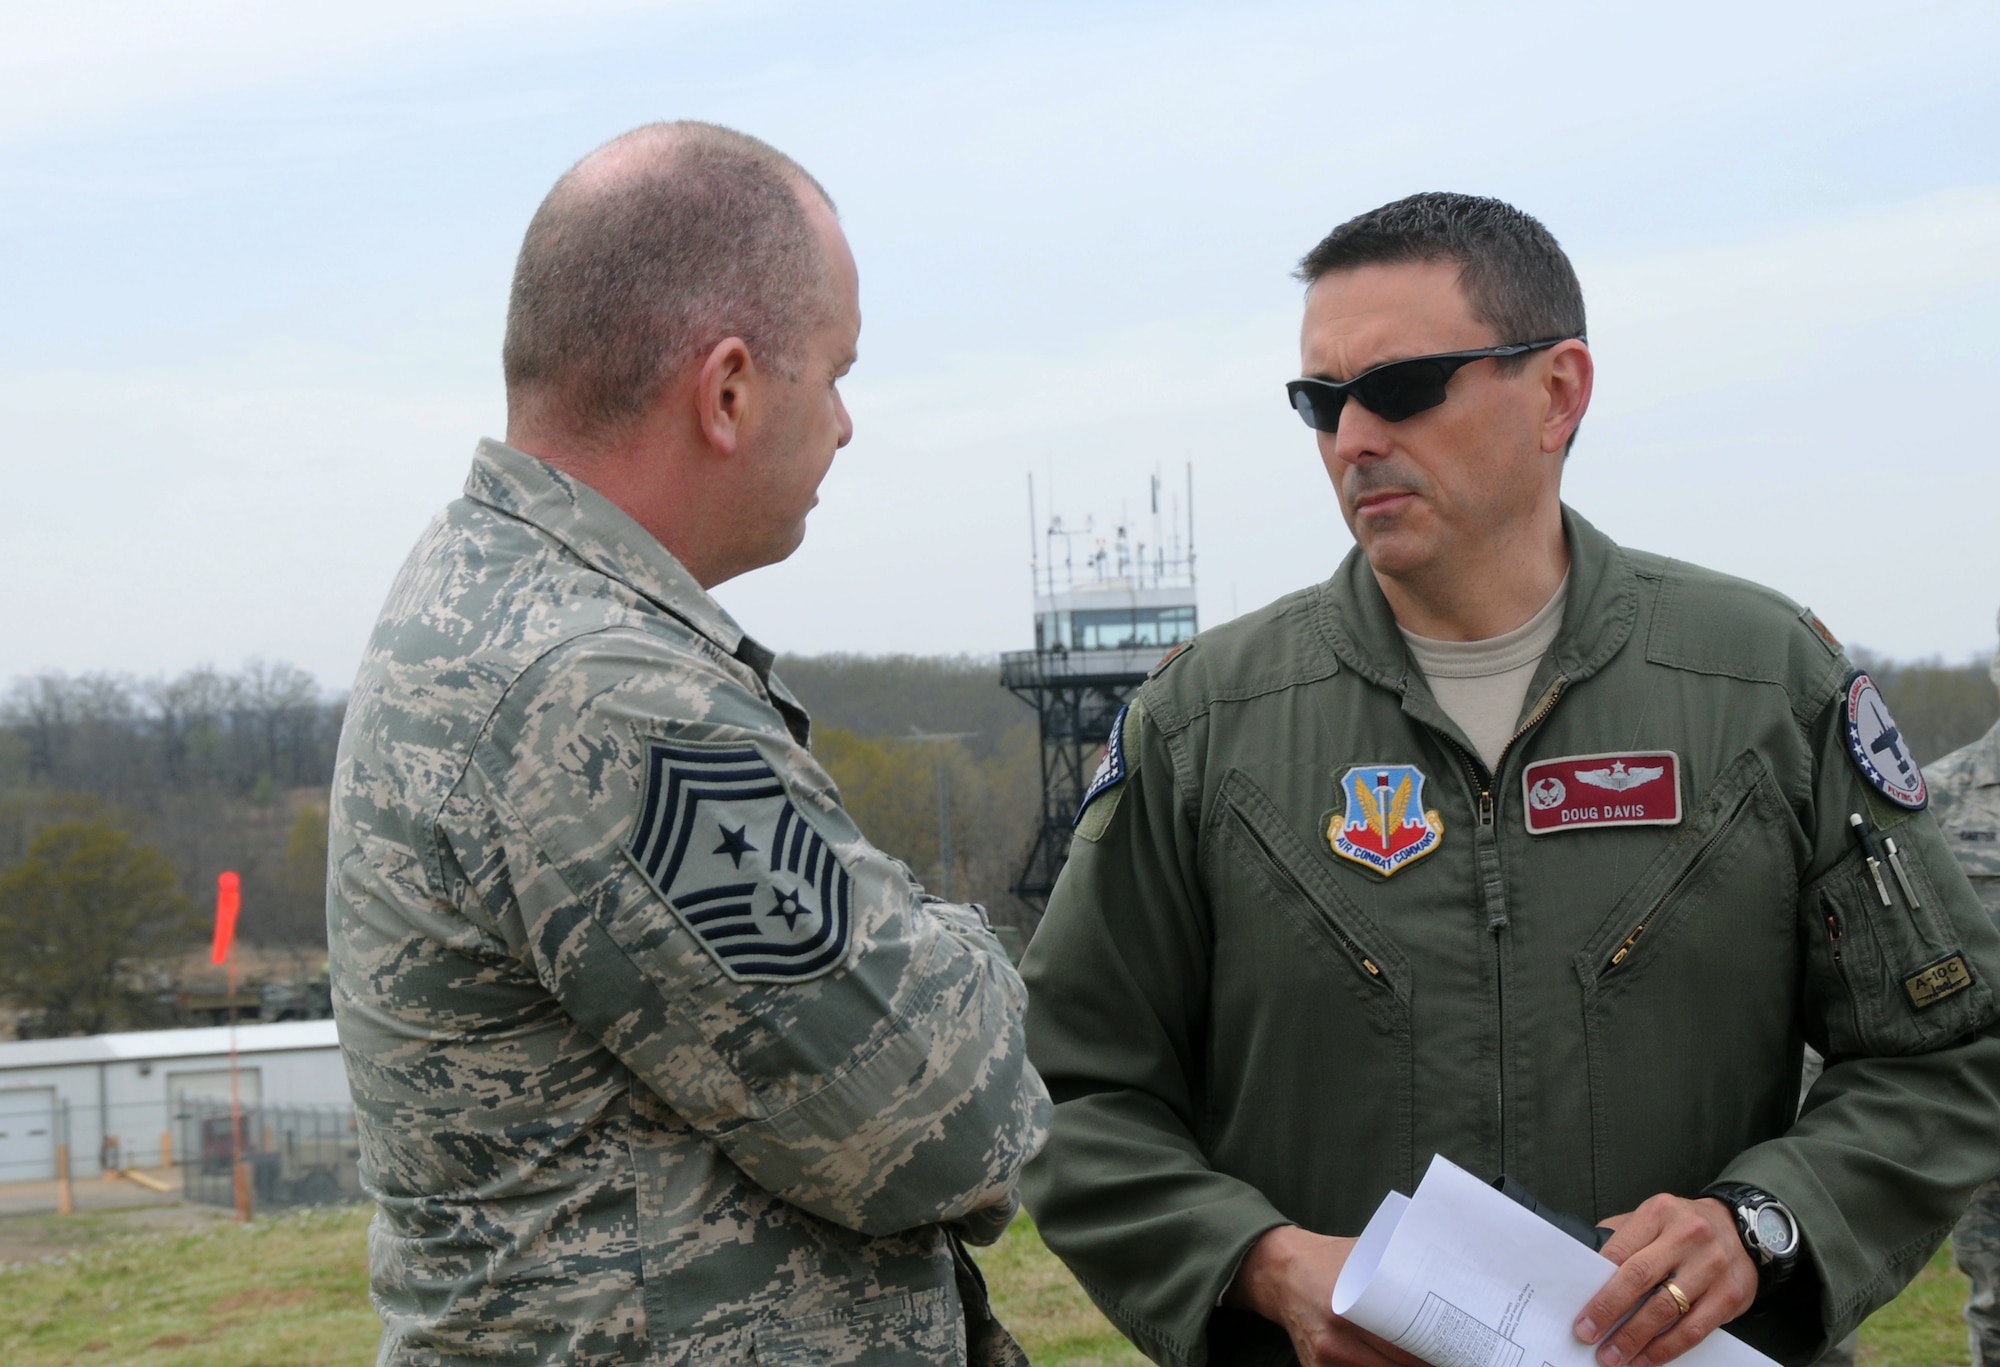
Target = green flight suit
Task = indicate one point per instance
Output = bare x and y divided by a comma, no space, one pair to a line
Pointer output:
1242,1030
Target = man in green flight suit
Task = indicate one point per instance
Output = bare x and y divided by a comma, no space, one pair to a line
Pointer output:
655,1058
1509,844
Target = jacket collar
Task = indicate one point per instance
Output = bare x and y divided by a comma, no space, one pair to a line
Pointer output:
1358,626
603,536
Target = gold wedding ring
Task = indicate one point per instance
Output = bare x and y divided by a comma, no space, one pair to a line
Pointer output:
1681,1302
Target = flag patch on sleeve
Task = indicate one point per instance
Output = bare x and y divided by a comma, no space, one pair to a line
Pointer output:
1110,769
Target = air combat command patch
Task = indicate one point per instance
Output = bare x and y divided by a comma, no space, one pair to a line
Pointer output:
746,873
1385,825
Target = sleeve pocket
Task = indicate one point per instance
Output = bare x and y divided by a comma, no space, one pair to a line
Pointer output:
1891,980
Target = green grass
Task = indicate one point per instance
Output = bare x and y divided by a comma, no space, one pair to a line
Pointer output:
1923,1327
1035,1297
292,1291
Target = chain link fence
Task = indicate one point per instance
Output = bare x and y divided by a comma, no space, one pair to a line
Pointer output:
296,1156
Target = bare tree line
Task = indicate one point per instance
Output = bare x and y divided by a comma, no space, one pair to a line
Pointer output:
267,724
215,769
223,770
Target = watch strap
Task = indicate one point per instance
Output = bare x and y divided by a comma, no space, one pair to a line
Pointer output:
1742,1199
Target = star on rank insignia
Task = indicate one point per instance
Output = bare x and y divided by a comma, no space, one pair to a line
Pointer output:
1385,825
742,868
1877,746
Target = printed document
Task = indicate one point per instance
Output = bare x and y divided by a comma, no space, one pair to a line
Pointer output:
1461,1276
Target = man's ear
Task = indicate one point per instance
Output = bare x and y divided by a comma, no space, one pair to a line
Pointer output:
722,394
1571,374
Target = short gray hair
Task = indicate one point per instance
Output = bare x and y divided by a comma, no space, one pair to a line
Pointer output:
647,253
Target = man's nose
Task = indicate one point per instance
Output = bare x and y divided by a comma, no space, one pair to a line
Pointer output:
846,423
1360,436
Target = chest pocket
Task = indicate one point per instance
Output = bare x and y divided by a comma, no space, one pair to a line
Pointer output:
1690,988
1262,844
1693,888
1307,999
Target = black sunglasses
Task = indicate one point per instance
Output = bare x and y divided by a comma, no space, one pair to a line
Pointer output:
1393,392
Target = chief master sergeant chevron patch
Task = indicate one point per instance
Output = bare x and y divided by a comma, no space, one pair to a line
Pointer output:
746,873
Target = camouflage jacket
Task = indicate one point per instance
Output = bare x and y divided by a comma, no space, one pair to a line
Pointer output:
1965,794
656,1059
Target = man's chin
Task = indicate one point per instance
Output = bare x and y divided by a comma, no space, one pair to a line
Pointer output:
1393,551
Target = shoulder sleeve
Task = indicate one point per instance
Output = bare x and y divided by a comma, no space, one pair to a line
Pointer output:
1118,991
1901,969
691,891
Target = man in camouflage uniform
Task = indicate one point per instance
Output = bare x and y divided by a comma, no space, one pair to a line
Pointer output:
655,1058
1965,794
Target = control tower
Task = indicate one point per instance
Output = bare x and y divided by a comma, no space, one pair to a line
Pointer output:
1108,607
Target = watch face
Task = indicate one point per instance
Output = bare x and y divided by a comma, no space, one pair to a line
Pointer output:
1774,1230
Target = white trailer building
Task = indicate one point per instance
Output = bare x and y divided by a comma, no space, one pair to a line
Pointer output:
126,1100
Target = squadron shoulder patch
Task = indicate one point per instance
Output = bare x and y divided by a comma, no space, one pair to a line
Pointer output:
1877,746
1385,824
1628,788
742,868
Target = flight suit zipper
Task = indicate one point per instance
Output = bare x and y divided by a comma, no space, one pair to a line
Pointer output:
1483,785
1631,941
1347,942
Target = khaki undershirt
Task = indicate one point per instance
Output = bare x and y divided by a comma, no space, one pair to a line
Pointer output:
1481,685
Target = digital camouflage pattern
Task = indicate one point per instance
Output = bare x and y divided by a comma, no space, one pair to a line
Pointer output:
590,1139
1965,794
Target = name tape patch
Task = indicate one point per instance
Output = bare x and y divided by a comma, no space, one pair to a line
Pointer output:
1934,982
1877,747
1623,788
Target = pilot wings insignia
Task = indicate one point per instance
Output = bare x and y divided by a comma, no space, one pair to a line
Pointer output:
1618,778
1384,826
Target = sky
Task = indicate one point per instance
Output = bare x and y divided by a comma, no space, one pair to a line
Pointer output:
254,261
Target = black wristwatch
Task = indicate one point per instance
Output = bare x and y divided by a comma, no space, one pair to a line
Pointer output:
1769,1232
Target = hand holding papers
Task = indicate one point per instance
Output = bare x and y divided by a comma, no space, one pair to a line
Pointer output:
1461,1276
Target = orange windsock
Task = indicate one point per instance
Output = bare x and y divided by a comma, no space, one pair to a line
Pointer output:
228,900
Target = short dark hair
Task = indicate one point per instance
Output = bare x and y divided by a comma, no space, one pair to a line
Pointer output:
1514,273
630,271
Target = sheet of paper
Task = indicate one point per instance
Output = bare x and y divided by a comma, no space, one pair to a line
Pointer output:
1461,1276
